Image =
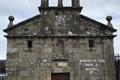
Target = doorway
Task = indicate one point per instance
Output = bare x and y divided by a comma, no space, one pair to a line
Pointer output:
60,76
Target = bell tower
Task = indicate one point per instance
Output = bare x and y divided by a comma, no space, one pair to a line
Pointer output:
75,6
75,3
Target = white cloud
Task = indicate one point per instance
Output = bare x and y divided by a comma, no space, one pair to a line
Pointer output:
2,47
21,8
100,8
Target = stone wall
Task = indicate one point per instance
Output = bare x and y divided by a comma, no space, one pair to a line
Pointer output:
46,57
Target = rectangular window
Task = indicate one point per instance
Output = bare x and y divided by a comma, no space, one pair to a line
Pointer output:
29,43
91,43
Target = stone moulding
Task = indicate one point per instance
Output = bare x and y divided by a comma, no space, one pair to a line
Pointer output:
45,37
60,8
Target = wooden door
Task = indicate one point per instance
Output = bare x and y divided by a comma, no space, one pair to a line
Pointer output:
60,76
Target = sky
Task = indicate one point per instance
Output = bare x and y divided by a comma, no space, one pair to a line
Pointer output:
24,9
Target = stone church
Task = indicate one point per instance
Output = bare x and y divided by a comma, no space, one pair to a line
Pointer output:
60,44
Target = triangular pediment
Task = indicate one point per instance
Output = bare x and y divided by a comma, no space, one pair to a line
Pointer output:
60,25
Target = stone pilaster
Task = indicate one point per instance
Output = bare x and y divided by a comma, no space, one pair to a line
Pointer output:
44,3
75,3
60,3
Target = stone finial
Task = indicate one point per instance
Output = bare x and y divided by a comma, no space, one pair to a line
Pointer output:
11,19
109,18
44,3
75,3
60,3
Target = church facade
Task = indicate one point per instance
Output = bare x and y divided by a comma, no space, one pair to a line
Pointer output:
60,44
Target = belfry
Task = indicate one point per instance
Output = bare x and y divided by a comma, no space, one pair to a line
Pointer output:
75,3
60,43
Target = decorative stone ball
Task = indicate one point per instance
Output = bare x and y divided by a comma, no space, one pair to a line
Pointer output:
109,18
11,18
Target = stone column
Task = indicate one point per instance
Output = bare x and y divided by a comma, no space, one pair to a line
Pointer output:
75,3
60,3
44,3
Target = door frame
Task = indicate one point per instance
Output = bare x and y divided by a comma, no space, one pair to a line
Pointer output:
66,73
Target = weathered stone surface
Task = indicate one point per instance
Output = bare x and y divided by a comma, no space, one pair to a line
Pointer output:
60,44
